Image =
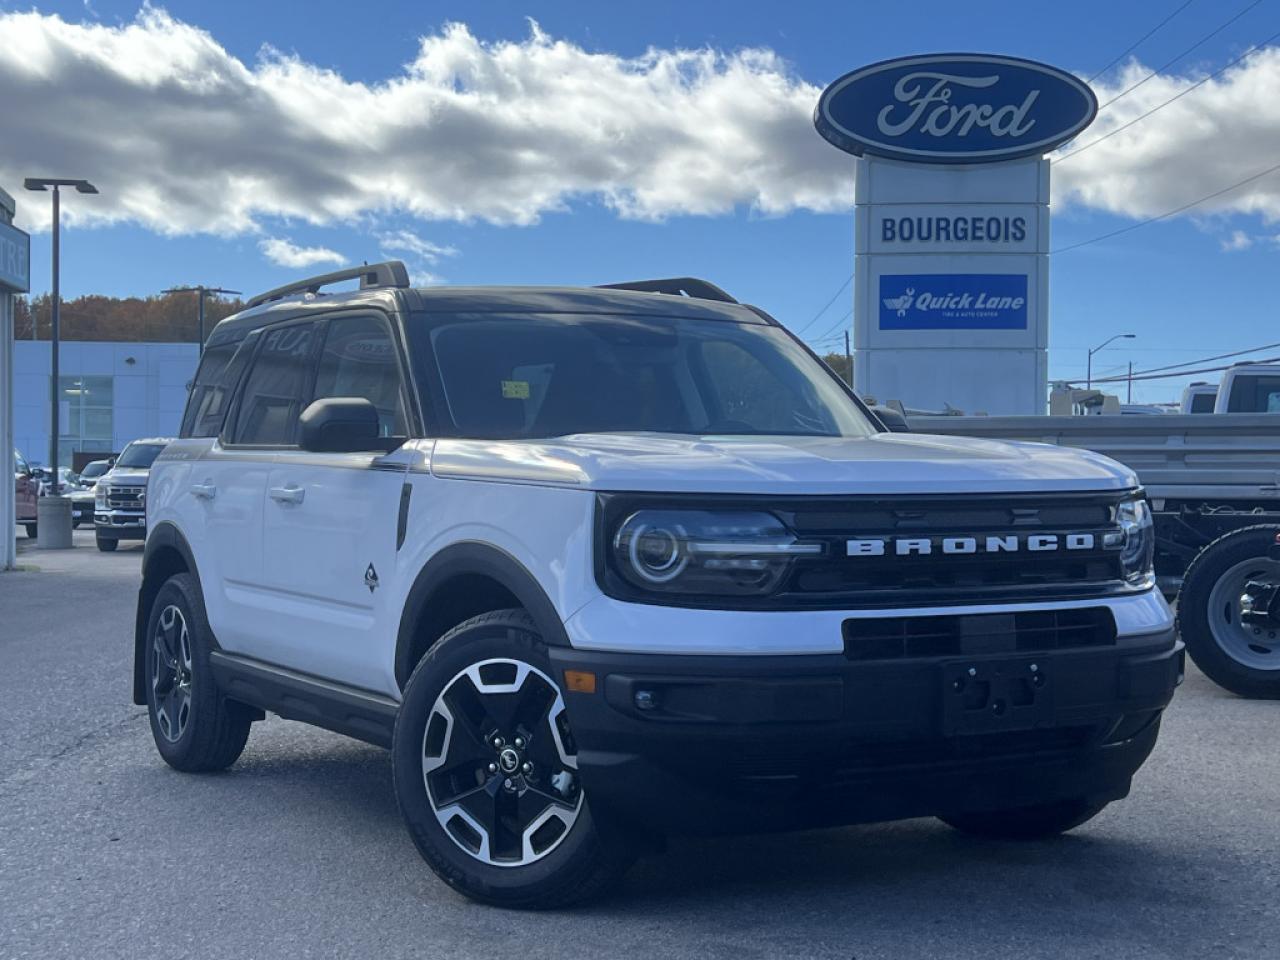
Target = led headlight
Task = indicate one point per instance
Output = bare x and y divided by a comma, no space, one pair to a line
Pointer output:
1136,541
706,552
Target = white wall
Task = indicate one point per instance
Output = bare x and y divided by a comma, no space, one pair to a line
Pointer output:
149,393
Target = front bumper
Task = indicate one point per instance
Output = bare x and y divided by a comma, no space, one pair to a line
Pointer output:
718,744
121,524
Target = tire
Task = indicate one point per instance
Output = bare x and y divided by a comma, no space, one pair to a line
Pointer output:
75,524
1241,658
31,530
107,544
182,697
571,856
1026,823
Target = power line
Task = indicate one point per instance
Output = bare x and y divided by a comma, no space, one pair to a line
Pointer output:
1192,363
1146,36
1177,96
1203,40
1170,213
826,306
832,329
1168,376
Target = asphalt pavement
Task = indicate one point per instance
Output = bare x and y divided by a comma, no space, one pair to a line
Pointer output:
298,850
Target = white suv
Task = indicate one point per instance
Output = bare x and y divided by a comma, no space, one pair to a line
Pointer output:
606,565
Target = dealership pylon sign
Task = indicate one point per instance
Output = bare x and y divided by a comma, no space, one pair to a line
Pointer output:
15,277
951,263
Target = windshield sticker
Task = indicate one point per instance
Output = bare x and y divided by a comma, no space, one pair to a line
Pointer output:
515,389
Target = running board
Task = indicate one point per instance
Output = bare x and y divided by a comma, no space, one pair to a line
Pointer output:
357,713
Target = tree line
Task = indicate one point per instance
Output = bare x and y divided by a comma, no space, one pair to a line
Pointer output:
160,319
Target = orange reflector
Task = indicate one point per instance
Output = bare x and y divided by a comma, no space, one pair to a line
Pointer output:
580,681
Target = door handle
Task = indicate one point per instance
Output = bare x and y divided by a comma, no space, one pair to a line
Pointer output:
290,494
204,491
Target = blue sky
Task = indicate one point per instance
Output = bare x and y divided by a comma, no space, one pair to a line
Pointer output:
1174,283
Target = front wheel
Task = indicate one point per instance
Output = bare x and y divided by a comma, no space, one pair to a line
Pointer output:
486,771
1224,613
107,544
1026,823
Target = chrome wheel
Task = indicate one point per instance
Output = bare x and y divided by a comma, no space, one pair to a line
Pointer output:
171,672
1255,644
499,763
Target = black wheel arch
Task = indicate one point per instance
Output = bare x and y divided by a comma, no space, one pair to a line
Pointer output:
460,581
166,553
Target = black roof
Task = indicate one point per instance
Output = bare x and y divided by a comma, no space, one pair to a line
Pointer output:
491,299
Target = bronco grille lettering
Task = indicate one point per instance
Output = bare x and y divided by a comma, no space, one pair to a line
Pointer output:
926,546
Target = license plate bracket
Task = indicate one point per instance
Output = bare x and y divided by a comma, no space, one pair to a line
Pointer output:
991,696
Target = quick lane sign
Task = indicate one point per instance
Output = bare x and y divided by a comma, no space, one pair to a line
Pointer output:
954,108
940,301
15,259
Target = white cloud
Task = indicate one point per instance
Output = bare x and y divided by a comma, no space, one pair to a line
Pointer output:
285,253
1239,240
1214,136
407,241
181,136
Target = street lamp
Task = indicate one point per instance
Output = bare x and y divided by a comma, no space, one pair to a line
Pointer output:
202,291
1089,369
40,185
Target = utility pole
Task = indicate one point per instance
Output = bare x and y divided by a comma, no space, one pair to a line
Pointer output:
848,358
201,291
1130,400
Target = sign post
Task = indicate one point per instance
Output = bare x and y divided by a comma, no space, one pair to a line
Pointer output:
951,264
15,277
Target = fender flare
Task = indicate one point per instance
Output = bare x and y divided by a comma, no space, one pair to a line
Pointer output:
162,535
482,559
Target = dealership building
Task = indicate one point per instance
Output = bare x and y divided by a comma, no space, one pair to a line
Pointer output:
109,394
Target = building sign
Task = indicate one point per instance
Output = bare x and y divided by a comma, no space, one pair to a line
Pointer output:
940,301
953,228
954,108
15,259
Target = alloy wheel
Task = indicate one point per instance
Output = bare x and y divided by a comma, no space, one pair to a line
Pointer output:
499,763
171,672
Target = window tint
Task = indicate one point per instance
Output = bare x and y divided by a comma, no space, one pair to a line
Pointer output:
276,387
1203,402
209,395
1254,394
359,360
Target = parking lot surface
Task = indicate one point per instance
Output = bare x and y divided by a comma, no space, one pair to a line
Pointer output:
298,850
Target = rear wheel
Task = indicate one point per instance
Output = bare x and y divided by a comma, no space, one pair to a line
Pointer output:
106,544
486,771
1026,823
194,727
1222,612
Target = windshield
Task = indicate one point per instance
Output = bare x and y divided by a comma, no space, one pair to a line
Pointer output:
139,455
550,375
94,469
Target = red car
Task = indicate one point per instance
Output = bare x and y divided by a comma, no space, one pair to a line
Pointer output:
27,488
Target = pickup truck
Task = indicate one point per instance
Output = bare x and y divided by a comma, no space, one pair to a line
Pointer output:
120,495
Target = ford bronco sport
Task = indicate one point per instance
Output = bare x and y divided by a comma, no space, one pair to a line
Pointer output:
602,566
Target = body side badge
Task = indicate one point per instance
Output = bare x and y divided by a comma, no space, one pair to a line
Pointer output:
371,578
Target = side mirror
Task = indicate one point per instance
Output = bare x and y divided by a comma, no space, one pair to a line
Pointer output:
893,421
340,425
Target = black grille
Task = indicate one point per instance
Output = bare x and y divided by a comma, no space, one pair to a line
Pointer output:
894,638
983,575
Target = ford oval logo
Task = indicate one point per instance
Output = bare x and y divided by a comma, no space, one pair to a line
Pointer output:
954,108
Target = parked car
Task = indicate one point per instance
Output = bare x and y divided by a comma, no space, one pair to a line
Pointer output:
92,471
26,493
1249,388
605,565
120,495
67,481
1199,397
83,506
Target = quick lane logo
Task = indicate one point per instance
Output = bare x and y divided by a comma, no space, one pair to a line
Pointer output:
935,301
927,546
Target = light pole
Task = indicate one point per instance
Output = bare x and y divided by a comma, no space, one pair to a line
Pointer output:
81,186
1088,383
201,292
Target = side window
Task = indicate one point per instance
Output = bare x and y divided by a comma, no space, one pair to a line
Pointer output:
19,464
359,360
209,394
275,390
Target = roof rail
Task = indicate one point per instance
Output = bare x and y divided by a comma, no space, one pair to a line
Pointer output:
678,286
389,274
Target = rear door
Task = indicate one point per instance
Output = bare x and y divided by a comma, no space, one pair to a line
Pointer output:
330,519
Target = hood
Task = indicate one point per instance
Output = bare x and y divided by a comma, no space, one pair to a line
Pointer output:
886,463
125,478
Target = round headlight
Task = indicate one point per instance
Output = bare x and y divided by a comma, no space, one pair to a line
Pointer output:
657,553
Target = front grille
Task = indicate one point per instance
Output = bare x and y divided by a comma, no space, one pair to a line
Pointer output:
1033,631
940,577
125,498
